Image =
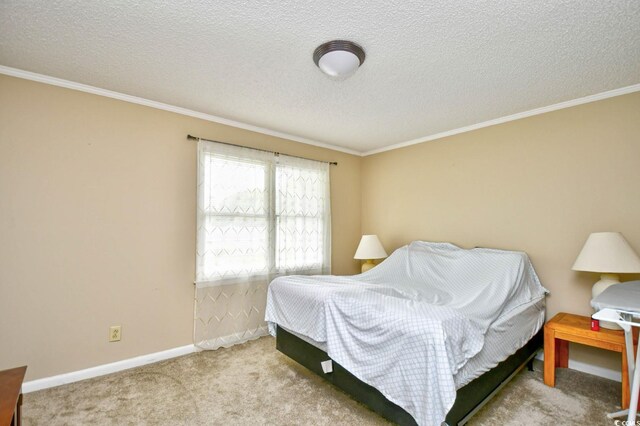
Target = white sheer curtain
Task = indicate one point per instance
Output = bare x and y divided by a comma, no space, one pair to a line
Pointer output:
259,215
303,216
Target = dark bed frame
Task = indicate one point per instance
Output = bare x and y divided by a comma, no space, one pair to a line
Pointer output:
469,399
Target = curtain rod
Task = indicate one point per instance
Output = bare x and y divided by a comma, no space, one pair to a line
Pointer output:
195,138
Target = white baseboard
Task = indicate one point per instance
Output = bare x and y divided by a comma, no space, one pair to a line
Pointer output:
590,369
101,370
114,367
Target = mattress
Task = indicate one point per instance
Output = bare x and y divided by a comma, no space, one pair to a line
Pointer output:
509,333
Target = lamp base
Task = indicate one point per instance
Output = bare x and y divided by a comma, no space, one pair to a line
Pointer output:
606,281
368,265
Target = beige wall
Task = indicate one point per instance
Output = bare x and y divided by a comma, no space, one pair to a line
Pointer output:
539,184
97,224
97,212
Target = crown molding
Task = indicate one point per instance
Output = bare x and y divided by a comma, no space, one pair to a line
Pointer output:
54,81
41,78
562,105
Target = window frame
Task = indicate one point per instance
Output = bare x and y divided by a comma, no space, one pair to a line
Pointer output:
273,221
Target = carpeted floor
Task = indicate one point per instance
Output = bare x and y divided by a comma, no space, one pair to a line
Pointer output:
253,384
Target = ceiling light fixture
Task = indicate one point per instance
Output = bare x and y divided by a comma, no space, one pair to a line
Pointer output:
338,58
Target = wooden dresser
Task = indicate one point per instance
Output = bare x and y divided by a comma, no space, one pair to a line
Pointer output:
11,395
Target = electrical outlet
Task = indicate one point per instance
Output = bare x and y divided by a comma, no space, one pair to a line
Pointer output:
115,333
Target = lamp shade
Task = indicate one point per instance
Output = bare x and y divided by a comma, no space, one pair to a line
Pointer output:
370,247
607,252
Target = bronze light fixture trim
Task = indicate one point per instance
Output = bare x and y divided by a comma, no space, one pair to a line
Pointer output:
339,58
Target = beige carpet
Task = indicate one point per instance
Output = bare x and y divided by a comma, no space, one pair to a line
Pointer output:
253,384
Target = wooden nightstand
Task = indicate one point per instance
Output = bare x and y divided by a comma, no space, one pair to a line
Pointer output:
565,328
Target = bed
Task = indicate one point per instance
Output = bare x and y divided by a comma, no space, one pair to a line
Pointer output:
426,336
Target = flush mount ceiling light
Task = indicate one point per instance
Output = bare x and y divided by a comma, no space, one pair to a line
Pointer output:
338,58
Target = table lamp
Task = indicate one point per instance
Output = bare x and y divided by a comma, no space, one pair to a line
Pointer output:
609,254
369,248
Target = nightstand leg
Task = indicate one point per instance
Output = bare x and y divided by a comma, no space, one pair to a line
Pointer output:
549,357
562,353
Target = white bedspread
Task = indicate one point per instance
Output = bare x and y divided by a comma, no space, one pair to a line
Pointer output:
408,325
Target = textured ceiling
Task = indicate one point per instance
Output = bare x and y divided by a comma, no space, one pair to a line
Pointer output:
431,66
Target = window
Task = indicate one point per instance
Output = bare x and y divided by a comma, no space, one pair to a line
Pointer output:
260,214
300,218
